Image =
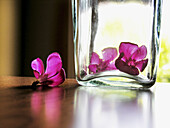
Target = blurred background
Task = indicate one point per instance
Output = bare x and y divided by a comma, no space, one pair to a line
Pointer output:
36,28
31,29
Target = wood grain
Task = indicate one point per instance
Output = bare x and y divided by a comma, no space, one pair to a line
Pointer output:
21,106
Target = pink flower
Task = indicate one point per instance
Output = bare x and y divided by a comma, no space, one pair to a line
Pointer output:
107,63
54,74
131,58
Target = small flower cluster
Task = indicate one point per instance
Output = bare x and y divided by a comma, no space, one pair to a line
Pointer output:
131,59
54,73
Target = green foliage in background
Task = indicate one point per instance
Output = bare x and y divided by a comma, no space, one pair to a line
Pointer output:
164,62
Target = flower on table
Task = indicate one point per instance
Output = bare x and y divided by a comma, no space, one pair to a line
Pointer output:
54,73
106,63
131,58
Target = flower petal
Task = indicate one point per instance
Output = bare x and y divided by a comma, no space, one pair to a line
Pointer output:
109,54
124,67
36,74
54,64
93,68
94,58
128,49
140,53
44,78
38,67
58,78
142,64
111,66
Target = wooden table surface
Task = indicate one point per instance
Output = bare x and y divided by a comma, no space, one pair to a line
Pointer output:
74,106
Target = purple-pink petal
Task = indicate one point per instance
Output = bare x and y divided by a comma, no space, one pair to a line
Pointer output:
141,65
43,78
54,64
128,49
58,78
109,54
131,58
38,67
111,66
93,68
124,67
36,74
140,53
94,58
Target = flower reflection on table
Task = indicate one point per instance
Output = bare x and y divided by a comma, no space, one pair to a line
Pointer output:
47,103
98,107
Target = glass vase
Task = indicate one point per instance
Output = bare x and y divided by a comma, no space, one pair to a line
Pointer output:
116,42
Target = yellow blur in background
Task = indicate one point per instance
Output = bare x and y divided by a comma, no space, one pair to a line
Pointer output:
163,74
8,43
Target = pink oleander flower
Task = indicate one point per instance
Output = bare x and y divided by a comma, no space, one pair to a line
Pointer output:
54,73
106,63
131,58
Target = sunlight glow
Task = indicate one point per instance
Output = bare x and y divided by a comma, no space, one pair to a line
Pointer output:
116,21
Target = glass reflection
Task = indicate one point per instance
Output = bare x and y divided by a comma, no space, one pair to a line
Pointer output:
116,108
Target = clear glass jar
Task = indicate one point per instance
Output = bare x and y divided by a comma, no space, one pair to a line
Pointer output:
116,42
